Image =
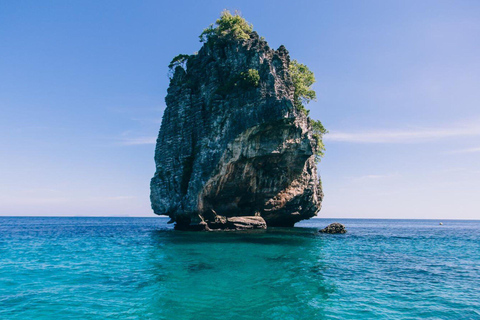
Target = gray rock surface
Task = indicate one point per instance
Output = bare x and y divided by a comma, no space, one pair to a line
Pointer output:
244,223
229,149
334,228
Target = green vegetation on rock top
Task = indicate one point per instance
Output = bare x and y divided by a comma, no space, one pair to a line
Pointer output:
228,25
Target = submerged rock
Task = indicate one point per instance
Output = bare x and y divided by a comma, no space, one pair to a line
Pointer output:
232,151
334,228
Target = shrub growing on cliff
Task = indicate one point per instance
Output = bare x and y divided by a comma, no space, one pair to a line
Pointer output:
179,60
250,78
229,25
318,132
244,80
303,79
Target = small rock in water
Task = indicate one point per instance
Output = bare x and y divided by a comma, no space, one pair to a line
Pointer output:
334,228
441,223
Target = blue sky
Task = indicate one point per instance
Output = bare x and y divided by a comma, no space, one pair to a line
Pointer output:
82,87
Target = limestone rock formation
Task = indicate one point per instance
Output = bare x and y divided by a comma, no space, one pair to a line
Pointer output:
232,146
334,228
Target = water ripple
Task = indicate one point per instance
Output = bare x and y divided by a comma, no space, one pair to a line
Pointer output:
129,268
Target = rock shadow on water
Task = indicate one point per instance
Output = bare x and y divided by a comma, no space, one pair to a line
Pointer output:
199,267
272,236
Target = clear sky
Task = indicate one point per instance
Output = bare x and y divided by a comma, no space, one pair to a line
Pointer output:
82,87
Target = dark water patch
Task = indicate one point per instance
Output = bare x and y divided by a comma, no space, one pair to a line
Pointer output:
258,237
281,258
200,266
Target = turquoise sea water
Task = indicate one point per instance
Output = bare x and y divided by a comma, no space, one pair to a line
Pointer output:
139,268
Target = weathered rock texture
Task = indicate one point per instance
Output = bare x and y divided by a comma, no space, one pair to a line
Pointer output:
334,228
227,148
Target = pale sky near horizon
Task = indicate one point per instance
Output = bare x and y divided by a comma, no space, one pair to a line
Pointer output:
82,87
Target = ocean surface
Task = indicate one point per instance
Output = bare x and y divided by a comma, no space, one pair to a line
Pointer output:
139,268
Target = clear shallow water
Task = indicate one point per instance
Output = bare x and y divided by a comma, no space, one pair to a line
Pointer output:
139,268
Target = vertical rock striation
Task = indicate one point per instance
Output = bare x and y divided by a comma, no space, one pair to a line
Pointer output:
230,146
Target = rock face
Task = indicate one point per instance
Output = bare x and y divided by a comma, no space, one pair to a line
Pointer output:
334,228
231,148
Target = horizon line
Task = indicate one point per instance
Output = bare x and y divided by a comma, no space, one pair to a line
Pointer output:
162,216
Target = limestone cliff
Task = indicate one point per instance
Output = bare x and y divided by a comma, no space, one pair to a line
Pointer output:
231,145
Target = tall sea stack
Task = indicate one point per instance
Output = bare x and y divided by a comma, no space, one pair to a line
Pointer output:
232,142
